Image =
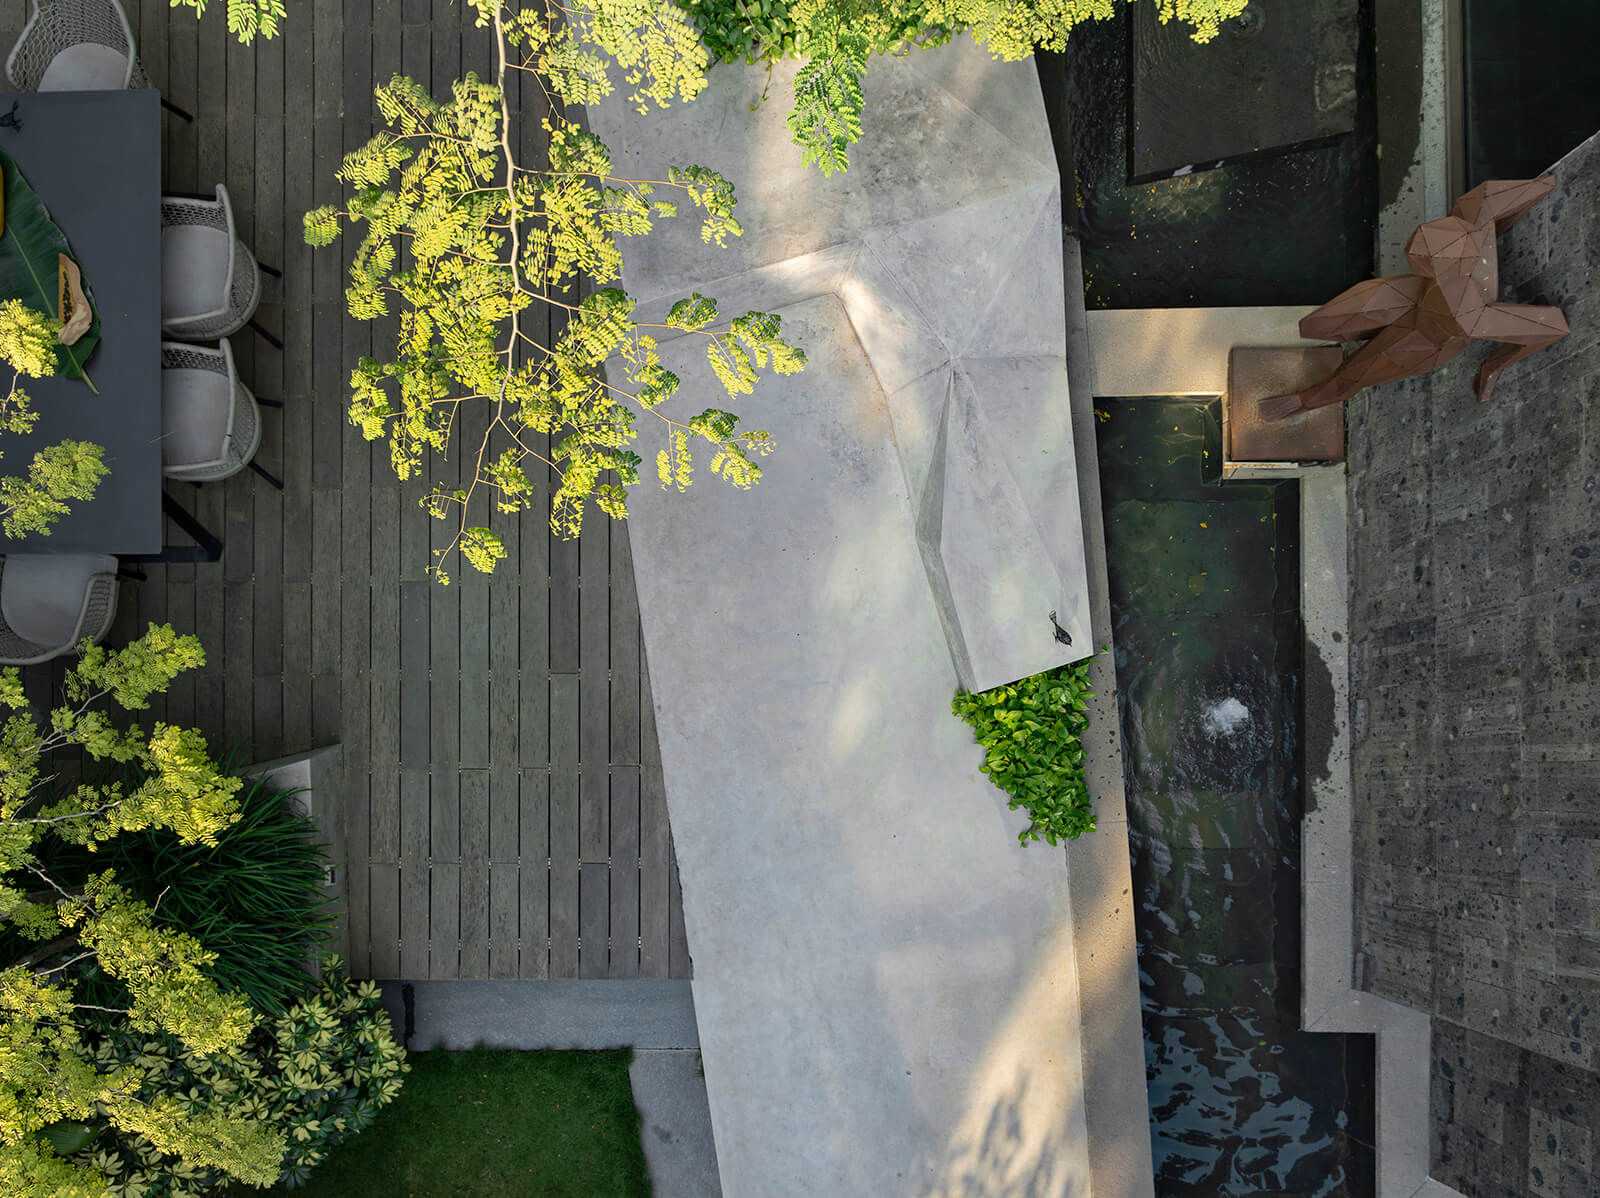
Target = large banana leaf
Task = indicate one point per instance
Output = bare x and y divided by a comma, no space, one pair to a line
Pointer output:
29,250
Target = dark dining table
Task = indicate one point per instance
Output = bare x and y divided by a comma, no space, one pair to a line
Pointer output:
94,159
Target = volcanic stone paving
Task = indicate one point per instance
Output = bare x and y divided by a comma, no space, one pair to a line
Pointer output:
1475,573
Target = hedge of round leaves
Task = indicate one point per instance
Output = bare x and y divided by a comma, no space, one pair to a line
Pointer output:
311,1079
1032,731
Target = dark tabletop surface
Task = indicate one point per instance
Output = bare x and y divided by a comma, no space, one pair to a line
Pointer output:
94,159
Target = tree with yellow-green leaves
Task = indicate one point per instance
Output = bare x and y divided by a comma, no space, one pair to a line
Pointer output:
65,471
466,241
48,1075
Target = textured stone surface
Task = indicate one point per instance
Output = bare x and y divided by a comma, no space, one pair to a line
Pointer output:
943,243
885,980
1475,557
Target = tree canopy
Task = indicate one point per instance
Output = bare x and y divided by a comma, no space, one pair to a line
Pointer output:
463,237
163,778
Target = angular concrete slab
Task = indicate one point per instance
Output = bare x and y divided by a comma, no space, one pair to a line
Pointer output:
885,980
947,255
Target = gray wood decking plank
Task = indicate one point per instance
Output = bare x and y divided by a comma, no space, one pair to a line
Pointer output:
239,683
444,657
504,878
413,923
383,888
564,825
444,840
152,609
414,598
384,840
325,582
624,904
504,635
501,855
296,656
503,832
625,637
180,614
181,86
534,879
564,609
594,907
444,918
595,687
533,603
475,848
473,596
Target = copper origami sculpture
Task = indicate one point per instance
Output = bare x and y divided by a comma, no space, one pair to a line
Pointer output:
1421,320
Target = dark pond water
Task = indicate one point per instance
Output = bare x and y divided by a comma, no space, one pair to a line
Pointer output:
1205,609
1284,228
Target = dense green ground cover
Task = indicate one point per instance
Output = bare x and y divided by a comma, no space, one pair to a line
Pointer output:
497,1124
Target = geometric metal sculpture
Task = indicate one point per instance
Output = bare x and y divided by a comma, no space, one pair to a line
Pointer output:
1421,320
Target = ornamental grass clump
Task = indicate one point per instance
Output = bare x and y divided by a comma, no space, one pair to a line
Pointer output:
254,898
1032,731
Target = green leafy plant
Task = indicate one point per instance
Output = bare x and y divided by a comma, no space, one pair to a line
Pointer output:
835,37
254,898
30,256
311,1079
65,471
59,928
463,237
1032,732
247,19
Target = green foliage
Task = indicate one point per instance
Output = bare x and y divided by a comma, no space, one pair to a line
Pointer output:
835,37
272,1108
57,473
30,254
826,116
1032,732
254,898
247,19
57,930
461,239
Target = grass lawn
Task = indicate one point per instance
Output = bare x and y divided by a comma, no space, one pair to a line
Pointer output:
496,1124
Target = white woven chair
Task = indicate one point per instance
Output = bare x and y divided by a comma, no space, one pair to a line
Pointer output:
49,602
210,283
210,424
78,45
75,45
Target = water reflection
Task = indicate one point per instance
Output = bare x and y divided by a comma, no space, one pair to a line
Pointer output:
1205,605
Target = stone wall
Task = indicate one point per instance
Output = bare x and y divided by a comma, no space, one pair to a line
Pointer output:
1475,624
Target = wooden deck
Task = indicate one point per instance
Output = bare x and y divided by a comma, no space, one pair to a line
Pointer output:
503,797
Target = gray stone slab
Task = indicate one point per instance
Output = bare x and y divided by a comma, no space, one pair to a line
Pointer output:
104,193
669,1088
651,1013
885,978
946,257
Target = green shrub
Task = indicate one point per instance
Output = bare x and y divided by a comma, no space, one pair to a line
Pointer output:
1032,730
254,898
313,1078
